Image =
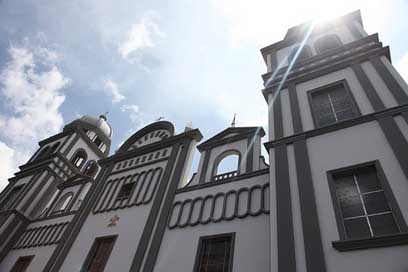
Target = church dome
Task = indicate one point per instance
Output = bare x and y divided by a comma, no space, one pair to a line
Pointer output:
99,123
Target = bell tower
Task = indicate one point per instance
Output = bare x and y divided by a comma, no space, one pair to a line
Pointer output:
33,191
338,149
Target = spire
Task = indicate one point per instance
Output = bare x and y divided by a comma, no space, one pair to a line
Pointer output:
160,118
233,120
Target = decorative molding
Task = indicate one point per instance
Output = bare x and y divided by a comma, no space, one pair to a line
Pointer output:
228,211
41,236
344,124
379,241
221,182
146,183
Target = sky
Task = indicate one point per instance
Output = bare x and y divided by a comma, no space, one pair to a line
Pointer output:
184,60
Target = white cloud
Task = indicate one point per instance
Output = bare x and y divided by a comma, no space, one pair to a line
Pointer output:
112,89
7,167
402,67
134,113
141,36
30,87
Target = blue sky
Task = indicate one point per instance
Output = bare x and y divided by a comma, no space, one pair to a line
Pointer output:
195,61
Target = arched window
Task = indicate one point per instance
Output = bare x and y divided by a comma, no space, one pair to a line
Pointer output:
54,148
327,43
91,168
62,203
79,158
43,152
226,165
303,54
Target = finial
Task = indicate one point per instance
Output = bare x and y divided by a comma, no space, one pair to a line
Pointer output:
233,120
160,118
189,126
103,116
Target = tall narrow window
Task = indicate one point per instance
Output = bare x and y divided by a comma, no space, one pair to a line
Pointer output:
99,254
365,205
11,196
22,264
215,253
332,104
79,158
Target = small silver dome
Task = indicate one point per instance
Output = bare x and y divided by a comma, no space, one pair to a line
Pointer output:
99,123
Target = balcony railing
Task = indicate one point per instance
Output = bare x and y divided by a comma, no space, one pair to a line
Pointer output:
225,176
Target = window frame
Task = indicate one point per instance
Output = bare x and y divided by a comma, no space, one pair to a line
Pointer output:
93,249
72,160
323,89
28,259
317,41
119,197
387,191
59,199
221,235
221,157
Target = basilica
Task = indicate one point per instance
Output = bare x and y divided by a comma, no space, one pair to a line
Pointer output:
331,197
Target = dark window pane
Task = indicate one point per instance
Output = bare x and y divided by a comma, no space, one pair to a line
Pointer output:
383,224
215,254
327,43
357,228
376,203
368,180
126,190
345,186
351,206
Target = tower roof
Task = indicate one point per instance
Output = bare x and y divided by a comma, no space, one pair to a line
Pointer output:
99,123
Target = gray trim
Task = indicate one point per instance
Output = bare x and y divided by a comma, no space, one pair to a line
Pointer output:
375,242
165,211
37,190
277,116
294,107
57,258
368,87
101,205
321,69
394,111
385,186
396,140
40,236
323,89
390,81
263,209
313,244
71,144
250,155
154,211
286,243
231,255
204,168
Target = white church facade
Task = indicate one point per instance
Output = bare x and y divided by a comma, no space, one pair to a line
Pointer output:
331,198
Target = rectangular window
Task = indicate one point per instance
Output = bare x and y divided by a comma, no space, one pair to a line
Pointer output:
215,253
11,196
332,104
22,264
364,204
125,191
99,254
